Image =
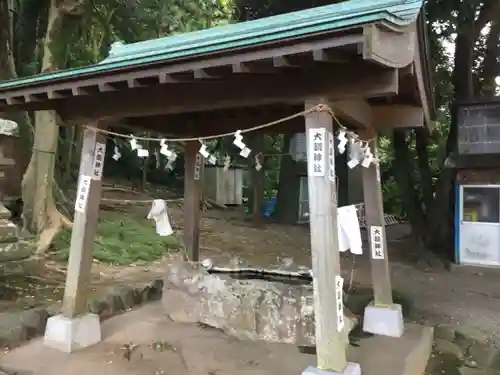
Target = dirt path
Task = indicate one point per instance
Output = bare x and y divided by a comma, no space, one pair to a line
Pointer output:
146,342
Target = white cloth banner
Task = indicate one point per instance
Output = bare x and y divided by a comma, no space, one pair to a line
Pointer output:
349,230
159,214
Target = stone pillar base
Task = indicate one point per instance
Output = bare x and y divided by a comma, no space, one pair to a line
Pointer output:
351,369
69,335
384,320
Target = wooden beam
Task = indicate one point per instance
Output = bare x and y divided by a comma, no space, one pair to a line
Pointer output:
407,71
330,347
193,194
356,112
394,49
164,78
36,98
183,66
211,95
55,95
105,87
221,121
133,83
387,117
78,91
287,62
255,68
14,100
329,56
204,74
84,225
374,215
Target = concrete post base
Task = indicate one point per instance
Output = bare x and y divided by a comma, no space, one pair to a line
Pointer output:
351,369
69,335
384,320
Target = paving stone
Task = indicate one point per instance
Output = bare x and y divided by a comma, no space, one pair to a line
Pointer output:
156,290
445,331
495,362
127,296
98,306
12,330
463,343
483,354
115,303
35,321
446,364
471,333
143,292
447,347
15,328
473,371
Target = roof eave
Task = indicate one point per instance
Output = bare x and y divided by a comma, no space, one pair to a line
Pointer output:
426,64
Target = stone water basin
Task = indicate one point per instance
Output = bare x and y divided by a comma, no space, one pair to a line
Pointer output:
247,307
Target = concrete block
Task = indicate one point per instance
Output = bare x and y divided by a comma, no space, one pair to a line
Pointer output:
384,320
69,335
351,369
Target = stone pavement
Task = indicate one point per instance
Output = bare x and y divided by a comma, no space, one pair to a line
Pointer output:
465,351
146,342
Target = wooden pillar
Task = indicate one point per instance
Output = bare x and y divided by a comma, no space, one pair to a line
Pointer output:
193,193
374,213
85,224
330,347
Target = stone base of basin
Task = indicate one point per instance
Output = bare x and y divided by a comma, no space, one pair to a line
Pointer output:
247,309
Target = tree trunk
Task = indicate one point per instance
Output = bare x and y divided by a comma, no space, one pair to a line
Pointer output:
71,143
421,141
491,67
403,173
434,224
442,210
40,212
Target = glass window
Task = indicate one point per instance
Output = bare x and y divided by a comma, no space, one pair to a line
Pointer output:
481,204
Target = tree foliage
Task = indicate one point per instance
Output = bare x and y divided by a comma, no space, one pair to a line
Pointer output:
464,48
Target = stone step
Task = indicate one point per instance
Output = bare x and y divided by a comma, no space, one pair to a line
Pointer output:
4,212
8,231
14,251
20,268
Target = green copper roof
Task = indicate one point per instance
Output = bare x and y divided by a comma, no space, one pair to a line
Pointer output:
330,17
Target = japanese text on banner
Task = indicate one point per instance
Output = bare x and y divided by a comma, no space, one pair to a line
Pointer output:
82,194
316,153
331,157
376,242
197,167
339,295
100,152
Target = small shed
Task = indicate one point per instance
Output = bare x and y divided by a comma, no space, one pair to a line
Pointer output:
477,213
350,184
224,187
